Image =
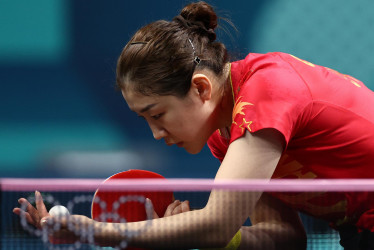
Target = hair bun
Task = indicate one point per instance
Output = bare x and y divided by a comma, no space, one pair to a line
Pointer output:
200,12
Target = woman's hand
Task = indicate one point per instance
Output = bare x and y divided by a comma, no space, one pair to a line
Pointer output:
33,215
60,230
174,208
70,229
73,228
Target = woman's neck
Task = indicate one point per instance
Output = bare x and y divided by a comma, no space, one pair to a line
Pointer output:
227,100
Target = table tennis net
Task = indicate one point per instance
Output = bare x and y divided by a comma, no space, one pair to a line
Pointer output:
77,195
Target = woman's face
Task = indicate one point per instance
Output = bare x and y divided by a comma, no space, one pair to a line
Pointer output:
185,122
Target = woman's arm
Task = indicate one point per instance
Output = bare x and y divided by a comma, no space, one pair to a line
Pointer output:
274,226
254,156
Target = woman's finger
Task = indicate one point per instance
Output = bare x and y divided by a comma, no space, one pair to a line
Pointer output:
33,213
154,214
42,210
181,208
177,210
171,207
20,213
185,206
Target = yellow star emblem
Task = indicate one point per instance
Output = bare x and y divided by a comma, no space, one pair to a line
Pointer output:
245,125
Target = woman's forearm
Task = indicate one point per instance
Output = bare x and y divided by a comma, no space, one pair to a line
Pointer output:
187,230
212,226
272,236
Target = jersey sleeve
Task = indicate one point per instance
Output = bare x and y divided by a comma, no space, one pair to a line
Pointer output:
275,96
217,146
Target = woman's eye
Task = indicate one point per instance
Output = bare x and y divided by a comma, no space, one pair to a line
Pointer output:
156,117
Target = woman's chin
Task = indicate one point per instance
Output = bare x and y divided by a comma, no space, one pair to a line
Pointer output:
192,149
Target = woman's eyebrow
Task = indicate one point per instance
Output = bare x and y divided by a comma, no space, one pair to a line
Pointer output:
148,107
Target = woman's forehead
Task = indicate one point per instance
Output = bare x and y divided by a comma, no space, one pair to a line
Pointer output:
139,102
133,98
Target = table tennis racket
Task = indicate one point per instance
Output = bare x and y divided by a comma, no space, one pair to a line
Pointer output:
130,210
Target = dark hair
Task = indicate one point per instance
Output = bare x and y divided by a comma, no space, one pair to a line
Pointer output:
162,56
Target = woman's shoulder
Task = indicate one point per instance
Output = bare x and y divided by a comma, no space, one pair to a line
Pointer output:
269,73
259,58
256,63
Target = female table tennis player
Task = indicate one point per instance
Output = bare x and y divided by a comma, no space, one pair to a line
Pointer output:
266,116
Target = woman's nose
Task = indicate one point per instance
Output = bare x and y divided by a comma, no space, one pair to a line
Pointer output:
158,132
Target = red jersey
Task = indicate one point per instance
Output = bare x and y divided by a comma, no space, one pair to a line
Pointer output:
327,120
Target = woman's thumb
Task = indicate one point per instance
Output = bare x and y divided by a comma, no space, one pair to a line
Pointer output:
151,213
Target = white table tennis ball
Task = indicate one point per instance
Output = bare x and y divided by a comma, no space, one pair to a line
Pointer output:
59,210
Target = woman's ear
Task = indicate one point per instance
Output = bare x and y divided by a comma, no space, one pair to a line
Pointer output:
201,85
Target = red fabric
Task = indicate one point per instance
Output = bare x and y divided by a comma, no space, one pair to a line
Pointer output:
366,221
322,115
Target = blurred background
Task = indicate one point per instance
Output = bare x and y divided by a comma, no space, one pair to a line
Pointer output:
60,115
